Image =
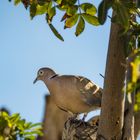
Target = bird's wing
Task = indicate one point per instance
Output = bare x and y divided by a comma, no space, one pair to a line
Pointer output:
79,87
90,92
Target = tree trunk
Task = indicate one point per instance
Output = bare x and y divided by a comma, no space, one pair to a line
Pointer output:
112,112
53,122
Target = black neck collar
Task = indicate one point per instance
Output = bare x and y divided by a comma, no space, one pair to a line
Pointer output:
53,76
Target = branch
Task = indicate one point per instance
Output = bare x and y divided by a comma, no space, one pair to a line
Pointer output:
137,125
79,130
128,130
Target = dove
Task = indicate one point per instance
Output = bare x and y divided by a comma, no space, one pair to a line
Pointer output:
74,94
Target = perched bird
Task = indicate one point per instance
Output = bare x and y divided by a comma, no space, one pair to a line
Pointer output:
75,94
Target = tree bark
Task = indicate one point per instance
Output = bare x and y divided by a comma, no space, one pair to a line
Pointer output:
111,120
137,125
53,122
128,130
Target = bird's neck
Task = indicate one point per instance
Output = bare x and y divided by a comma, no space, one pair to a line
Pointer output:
49,81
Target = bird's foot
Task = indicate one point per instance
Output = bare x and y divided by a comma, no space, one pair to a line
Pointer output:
73,119
84,117
80,123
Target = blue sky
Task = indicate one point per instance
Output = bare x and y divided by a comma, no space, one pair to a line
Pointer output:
26,45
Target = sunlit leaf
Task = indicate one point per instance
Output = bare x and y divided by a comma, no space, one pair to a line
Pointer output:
72,10
56,33
62,7
14,127
2,138
36,124
30,137
70,22
58,1
91,19
135,69
50,4
80,26
16,2
14,118
21,124
27,125
136,108
88,8
51,12
41,9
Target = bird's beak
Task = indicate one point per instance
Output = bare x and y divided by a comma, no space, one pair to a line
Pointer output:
36,79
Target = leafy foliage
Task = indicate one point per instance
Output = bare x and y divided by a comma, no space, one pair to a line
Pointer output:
74,13
133,85
80,26
136,79
13,127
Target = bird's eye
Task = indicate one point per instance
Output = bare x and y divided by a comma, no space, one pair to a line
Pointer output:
41,73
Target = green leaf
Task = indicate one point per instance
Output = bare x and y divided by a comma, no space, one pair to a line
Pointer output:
70,22
30,137
91,19
27,125
16,2
33,10
56,32
65,16
3,123
20,124
122,14
62,7
80,26
15,118
50,5
103,10
138,3
70,2
89,8
36,124
41,2
41,9
17,128
58,1
51,12
72,10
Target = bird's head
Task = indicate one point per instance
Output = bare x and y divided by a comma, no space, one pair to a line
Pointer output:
44,74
